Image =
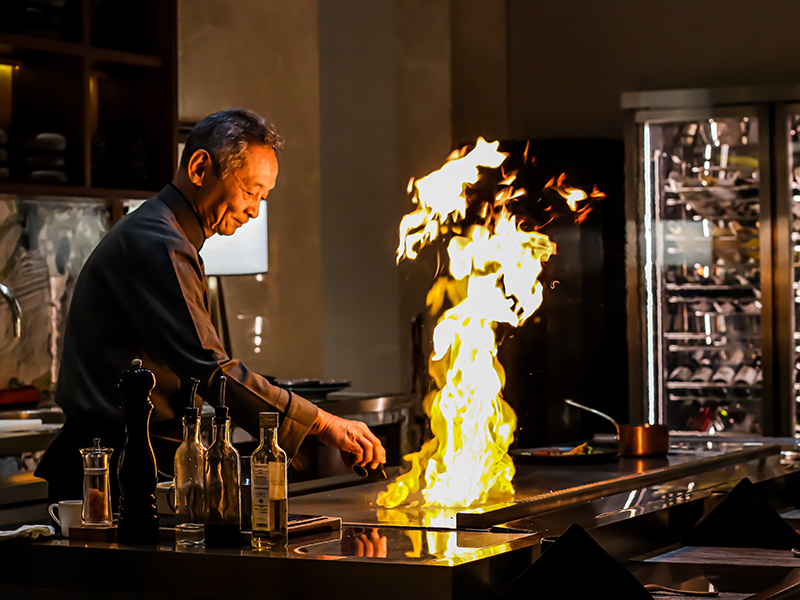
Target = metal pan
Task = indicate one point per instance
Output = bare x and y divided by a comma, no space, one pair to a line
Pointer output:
636,440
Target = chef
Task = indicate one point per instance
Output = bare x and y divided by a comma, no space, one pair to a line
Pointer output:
143,294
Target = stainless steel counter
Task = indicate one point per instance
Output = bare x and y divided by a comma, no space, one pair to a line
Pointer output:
17,442
354,562
345,404
538,488
387,553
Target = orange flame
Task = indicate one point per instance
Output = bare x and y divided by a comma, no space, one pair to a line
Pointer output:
574,195
492,279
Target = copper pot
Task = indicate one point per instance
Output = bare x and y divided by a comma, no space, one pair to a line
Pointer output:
643,440
636,440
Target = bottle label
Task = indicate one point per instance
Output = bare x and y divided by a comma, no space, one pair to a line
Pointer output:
260,483
277,481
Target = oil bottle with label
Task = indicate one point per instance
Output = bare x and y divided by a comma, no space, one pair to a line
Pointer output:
269,498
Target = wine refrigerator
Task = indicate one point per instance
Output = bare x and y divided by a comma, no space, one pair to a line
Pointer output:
713,258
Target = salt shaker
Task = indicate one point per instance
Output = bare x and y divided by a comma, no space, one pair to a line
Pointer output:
96,491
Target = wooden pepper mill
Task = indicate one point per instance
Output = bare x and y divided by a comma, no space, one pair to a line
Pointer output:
138,516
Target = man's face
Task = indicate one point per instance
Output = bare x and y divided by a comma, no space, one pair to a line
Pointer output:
229,202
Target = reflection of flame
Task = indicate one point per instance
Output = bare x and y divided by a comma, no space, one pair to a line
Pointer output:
493,279
442,544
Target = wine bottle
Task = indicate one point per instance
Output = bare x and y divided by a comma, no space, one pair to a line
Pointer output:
724,374
681,373
747,376
702,375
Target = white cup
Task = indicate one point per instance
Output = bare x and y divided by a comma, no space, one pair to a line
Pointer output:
69,514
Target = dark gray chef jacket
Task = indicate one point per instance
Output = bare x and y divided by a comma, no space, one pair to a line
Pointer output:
143,294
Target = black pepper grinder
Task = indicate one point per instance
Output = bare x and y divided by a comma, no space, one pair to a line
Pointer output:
138,516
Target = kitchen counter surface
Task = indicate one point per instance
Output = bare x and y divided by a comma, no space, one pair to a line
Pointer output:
383,563
539,487
395,558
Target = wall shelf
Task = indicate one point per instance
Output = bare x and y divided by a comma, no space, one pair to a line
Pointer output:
104,78
69,192
12,44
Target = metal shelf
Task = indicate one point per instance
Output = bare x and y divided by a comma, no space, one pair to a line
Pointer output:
705,188
740,400
682,335
671,237
674,287
711,348
691,299
693,385
698,217
17,442
713,313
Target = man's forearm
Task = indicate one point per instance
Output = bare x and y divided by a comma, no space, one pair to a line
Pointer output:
319,424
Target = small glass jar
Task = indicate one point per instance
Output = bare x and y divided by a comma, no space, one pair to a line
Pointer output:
96,488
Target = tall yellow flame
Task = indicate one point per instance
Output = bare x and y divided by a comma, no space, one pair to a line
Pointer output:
492,279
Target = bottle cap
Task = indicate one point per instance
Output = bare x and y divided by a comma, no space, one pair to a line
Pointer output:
220,414
96,457
268,419
192,413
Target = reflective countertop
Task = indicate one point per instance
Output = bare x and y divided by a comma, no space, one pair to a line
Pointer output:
532,481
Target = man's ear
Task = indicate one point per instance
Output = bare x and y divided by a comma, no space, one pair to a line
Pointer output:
199,166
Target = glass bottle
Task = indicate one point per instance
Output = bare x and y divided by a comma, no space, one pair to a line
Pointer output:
190,466
268,480
222,483
245,493
96,511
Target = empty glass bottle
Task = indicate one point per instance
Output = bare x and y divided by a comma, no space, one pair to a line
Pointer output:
190,466
222,482
268,480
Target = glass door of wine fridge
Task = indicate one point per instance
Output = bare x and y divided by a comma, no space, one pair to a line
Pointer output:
787,133
706,256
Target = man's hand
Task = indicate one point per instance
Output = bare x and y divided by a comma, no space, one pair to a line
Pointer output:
351,437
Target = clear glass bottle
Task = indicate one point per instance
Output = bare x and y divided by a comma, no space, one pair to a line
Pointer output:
268,479
96,510
190,468
222,483
245,493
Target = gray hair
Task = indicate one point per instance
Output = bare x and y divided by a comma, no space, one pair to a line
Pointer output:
226,135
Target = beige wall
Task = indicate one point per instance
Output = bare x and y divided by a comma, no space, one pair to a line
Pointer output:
385,105
360,282
360,90
480,70
263,55
424,136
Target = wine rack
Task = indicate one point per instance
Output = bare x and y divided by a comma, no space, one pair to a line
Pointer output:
708,270
713,210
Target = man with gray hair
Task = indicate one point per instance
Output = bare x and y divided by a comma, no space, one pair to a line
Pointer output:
143,294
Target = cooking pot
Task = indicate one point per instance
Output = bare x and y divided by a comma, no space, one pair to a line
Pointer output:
636,440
